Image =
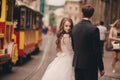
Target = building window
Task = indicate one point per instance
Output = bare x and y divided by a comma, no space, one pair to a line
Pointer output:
70,8
76,8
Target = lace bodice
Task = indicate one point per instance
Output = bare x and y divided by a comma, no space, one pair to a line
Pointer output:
66,44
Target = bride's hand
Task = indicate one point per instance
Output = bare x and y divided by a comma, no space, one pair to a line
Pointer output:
102,73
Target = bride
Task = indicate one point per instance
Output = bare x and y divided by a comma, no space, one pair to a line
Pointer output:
61,67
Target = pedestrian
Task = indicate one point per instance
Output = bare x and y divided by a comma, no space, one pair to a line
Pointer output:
103,35
15,24
61,67
114,36
86,45
45,29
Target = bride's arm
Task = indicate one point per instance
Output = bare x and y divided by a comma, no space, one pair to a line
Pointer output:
68,43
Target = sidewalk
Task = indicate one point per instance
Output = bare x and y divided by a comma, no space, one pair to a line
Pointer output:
108,69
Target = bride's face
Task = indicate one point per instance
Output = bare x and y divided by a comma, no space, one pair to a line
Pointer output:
67,27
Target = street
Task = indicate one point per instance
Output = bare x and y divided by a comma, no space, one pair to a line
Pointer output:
35,68
28,36
108,69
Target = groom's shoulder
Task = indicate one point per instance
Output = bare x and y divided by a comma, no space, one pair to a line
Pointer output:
78,24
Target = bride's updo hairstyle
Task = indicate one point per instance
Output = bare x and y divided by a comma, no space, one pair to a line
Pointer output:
61,31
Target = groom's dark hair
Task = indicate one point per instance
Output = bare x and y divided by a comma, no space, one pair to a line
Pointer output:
87,11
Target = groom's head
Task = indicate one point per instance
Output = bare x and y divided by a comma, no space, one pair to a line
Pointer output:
87,11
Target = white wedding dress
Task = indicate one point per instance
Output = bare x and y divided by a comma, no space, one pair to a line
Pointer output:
61,67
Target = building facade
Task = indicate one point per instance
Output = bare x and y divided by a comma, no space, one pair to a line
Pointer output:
34,4
112,11
72,9
105,10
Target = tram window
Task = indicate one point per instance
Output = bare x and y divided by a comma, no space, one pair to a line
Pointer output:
33,20
22,22
0,7
9,10
22,18
37,22
34,24
40,22
1,43
28,19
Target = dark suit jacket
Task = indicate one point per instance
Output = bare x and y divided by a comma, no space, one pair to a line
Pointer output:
86,46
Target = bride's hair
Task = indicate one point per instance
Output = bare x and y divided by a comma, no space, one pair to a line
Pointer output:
61,32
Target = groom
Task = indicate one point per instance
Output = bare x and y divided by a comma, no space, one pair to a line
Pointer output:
86,45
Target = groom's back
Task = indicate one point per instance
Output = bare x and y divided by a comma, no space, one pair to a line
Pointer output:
83,44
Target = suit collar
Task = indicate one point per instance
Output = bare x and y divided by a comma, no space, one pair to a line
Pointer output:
86,20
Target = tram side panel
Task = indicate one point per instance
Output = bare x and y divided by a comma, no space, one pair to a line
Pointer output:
38,40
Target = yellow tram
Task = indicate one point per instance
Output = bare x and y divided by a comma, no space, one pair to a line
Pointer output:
20,33
8,49
27,30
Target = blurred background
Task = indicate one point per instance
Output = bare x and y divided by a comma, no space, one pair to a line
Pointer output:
53,10
32,25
